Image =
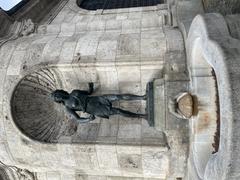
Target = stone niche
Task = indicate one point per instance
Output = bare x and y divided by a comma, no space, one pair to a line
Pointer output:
37,117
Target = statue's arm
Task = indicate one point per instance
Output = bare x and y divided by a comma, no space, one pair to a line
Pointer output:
77,117
80,92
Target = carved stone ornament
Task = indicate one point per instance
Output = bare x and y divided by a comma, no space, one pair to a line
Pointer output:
8,172
27,27
25,174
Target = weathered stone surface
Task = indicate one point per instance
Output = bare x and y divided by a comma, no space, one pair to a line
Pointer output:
219,56
186,105
120,51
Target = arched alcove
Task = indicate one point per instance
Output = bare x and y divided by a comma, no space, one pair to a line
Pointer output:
39,118
33,111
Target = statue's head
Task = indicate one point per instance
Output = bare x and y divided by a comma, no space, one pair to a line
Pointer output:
59,95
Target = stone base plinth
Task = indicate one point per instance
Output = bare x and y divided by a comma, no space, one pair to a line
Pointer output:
156,104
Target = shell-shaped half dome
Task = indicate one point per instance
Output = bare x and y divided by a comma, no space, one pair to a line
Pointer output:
34,113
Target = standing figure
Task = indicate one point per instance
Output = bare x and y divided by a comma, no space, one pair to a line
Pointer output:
101,106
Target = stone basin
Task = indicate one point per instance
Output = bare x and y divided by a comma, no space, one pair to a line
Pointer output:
213,67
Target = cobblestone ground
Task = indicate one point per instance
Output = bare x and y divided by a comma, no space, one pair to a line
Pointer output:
222,6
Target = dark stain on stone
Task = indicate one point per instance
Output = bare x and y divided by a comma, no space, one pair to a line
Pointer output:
217,133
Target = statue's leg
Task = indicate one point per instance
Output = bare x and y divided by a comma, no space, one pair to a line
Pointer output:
127,97
124,113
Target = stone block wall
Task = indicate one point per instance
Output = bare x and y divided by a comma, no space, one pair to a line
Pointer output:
120,51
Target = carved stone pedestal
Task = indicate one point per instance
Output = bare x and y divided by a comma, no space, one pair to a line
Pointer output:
161,92
156,104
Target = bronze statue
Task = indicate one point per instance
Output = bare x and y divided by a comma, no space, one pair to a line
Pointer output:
101,106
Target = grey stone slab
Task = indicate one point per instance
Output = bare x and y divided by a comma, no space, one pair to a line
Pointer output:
44,39
53,29
24,44
152,33
87,44
67,52
5,155
67,155
108,80
148,75
88,74
106,140
174,40
151,22
96,25
175,62
53,176
130,87
107,50
82,156
42,175
129,128
153,47
108,128
149,14
81,27
128,74
87,132
131,26
6,54
15,63
110,36
128,45
76,19
52,49
155,162
123,178
58,19
87,18
130,163
114,25
109,16
67,29
134,106
33,55
68,176
97,177
107,156
135,14
122,16
69,17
